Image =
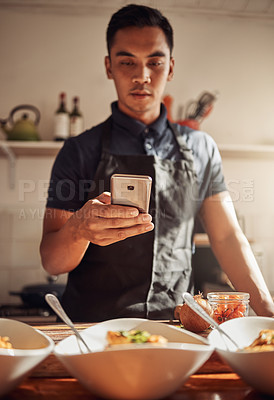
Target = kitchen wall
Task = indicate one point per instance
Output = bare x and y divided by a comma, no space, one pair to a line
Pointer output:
42,54
250,183
21,214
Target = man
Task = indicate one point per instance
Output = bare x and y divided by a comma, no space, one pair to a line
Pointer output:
122,263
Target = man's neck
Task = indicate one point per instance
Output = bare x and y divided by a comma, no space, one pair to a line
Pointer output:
146,118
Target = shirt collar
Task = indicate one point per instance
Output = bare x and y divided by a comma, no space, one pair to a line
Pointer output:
137,128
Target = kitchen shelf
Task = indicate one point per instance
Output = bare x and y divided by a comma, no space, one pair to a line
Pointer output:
246,151
51,148
13,149
29,148
201,240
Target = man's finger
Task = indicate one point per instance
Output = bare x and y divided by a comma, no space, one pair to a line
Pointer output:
97,209
107,237
104,197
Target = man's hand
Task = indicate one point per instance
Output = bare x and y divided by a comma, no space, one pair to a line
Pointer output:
67,235
103,223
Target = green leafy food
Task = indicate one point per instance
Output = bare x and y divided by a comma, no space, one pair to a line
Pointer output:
136,336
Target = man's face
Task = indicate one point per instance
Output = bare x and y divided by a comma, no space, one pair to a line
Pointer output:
140,65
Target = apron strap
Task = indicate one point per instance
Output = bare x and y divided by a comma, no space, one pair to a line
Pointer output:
106,136
184,150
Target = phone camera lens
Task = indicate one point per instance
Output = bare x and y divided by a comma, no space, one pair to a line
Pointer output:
130,187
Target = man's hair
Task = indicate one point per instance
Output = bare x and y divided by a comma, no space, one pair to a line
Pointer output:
140,17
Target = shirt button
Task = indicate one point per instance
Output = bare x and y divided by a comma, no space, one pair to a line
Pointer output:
148,146
146,130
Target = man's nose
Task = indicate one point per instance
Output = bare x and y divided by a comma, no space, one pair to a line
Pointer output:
142,75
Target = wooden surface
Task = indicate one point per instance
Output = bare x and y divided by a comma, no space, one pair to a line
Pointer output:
198,387
50,380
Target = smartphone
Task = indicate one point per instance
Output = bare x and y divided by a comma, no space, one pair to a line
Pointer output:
131,190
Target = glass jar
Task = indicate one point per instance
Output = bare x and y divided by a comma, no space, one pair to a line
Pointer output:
228,305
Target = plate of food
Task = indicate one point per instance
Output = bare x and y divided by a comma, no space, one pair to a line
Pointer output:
22,348
133,358
254,358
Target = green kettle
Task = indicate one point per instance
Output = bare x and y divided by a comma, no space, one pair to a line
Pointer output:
23,128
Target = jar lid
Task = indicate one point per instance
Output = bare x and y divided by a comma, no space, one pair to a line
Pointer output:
228,296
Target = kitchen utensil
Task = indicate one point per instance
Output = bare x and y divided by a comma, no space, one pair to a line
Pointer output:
202,107
34,295
56,306
24,128
189,299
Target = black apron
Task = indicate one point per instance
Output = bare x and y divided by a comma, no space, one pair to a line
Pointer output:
142,276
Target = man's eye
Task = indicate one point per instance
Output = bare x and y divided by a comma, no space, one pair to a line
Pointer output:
127,63
156,63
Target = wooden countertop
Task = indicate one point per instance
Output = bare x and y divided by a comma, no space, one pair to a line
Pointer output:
198,387
51,381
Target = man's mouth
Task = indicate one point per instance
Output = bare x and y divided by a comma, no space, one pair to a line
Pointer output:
139,94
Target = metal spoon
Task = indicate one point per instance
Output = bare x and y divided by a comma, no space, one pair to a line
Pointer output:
201,312
56,306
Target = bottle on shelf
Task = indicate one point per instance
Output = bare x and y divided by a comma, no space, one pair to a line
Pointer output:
76,119
61,119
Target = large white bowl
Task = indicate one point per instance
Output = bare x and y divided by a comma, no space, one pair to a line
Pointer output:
139,371
257,368
30,347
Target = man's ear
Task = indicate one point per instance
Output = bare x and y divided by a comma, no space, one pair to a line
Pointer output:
171,69
108,67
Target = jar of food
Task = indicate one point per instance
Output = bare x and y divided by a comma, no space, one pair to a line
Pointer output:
228,305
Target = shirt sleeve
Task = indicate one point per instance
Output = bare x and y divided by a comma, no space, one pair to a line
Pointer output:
216,176
72,173
208,164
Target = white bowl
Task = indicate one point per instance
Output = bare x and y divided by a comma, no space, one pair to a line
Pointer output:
138,371
30,347
257,368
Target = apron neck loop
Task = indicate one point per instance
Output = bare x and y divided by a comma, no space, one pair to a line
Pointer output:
185,151
106,136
